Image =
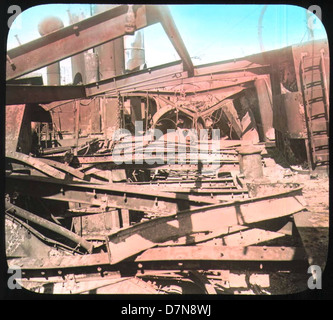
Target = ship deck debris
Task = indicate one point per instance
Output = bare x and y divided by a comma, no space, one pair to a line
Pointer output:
174,179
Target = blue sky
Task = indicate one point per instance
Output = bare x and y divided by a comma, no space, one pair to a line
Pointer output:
210,32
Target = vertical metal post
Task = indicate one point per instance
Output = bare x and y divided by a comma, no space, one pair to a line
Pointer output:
47,135
147,112
125,218
324,77
77,121
104,117
308,141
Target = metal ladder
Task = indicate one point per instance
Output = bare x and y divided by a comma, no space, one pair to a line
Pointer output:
316,104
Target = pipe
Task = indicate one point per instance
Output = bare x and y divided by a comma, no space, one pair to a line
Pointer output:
17,211
45,27
111,54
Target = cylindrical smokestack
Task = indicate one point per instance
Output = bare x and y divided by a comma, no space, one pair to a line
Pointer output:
78,63
46,26
84,65
111,54
135,52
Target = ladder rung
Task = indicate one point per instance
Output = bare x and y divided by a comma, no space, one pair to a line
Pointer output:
321,150
319,116
312,68
313,84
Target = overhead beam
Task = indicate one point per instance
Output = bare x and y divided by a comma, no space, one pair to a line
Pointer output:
133,80
17,94
71,40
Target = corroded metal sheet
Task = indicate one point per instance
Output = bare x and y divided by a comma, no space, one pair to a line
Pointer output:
14,118
289,115
205,223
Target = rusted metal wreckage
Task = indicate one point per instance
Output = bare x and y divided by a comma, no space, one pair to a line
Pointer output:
145,212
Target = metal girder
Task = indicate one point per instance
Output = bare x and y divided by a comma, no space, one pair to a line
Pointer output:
222,253
17,211
132,81
169,258
191,183
197,187
164,16
202,224
183,163
36,164
16,94
228,193
242,66
81,36
105,195
166,85
71,40
245,238
13,122
56,262
64,167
